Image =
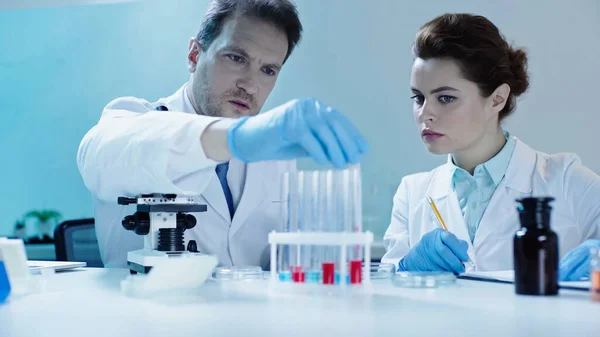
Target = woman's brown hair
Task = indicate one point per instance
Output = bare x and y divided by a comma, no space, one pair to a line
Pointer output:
482,53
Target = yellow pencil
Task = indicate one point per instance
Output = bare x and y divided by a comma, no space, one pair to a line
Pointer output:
437,213
439,217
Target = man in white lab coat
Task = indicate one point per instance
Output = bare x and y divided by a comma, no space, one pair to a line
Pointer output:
206,139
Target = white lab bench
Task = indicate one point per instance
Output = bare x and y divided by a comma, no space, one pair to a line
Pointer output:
46,251
88,302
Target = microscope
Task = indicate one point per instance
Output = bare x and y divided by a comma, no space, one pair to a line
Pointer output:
161,219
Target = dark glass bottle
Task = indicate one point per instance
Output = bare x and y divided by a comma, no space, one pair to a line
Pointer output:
536,249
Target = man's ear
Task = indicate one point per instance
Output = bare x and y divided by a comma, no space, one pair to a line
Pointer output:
194,52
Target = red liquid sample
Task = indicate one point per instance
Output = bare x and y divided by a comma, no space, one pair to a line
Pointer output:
355,271
328,272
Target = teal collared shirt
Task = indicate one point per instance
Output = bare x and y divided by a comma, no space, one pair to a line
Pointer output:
475,191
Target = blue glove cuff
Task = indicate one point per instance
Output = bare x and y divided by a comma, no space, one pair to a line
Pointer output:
231,138
401,266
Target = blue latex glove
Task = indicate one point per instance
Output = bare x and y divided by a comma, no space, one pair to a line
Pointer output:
299,128
576,264
438,250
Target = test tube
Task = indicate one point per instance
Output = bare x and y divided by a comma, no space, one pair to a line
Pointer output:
313,272
283,268
308,202
355,176
327,225
296,267
355,219
347,200
293,216
339,195
288,209
284,226
595,274
324,182
324,257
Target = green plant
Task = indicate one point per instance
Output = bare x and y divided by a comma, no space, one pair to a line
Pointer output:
43,215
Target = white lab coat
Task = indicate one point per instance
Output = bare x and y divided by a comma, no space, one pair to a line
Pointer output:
575,216
136,150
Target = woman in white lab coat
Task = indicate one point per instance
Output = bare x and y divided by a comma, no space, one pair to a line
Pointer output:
465,80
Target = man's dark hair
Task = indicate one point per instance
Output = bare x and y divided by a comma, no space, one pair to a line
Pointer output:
280,13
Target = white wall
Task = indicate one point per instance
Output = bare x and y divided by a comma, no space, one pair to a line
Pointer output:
30,4
355,55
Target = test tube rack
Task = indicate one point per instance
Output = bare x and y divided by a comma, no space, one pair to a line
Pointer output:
341,240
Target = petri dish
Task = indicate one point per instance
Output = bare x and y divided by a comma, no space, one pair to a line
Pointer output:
238,273
423,279
382,270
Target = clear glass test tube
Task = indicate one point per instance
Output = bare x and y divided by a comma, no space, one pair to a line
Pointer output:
293,217
327,224
356,253
283,267
340,217
356,187
308,208
325,259
355,212
595,274
284,226
283,251
314,264
309,193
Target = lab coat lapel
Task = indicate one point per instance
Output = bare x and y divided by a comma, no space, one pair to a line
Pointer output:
445,199
499,217
216,198
500,214
253,194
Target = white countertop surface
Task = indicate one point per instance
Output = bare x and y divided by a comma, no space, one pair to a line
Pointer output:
88,302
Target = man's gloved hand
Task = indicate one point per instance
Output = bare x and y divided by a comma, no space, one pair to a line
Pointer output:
437,250
299,128
576,264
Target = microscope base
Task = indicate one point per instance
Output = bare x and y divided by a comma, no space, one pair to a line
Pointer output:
141,261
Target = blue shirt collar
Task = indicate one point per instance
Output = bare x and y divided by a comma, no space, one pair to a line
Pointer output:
496,166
